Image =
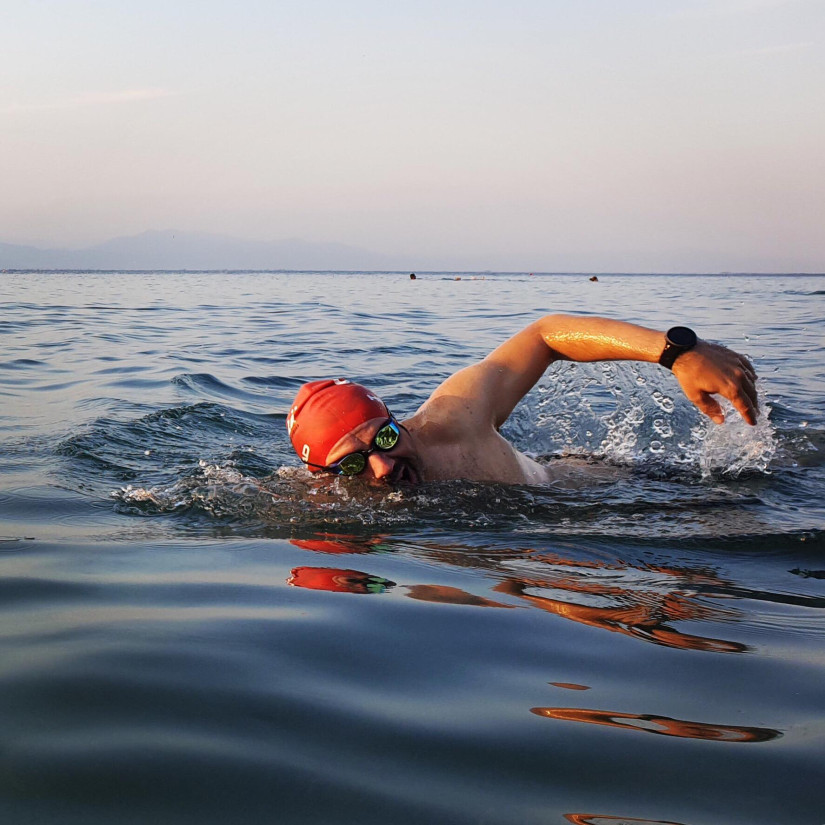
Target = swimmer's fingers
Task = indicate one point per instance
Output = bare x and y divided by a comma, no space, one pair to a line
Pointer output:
713,370
738,385
741,389
746,402
707,404
749,387
747,368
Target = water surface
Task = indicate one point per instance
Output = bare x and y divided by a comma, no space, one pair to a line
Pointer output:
193,630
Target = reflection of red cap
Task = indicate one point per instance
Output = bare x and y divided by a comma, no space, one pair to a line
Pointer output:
324,412
337,580
337,544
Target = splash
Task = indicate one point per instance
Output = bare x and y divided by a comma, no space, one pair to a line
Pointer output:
290,496
735,448
215,489
618,412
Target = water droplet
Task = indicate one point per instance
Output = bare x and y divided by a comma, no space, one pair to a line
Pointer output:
662,401
663,428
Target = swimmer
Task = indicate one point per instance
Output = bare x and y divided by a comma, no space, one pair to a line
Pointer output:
339,427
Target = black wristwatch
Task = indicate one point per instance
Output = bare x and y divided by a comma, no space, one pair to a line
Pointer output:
678,340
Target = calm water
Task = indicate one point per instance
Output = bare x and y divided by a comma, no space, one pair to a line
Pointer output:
194,631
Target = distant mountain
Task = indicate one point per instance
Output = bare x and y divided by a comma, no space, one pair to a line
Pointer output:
194,250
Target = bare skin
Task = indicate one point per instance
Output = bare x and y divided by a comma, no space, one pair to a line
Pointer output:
454,434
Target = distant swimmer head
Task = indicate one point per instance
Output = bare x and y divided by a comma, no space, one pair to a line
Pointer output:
324,412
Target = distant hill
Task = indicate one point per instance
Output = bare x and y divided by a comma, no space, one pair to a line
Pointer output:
194,250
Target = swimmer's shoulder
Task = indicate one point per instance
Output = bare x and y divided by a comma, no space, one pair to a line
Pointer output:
580,471
446,418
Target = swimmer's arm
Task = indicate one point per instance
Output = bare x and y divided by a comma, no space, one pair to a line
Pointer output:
495,385
704,371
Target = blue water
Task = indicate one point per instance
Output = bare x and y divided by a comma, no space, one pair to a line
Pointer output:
194,631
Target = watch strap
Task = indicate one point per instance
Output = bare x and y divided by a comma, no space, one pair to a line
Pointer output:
677,341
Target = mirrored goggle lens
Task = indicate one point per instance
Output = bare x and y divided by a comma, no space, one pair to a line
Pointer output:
386,438
351,465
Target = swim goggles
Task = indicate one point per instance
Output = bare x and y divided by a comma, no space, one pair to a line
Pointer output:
354,463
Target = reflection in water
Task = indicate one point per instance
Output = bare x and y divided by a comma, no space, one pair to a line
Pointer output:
598,819
663,725
633,611
337,580
335,543
640,601
442,594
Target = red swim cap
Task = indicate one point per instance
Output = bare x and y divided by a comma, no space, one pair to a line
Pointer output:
324,412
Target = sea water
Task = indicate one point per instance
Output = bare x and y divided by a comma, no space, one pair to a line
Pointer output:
195,631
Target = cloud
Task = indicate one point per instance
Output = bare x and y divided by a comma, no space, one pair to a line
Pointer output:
89,99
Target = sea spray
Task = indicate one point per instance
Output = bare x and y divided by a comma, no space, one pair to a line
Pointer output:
624,414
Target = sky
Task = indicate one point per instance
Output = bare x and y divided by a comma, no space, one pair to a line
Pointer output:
542,135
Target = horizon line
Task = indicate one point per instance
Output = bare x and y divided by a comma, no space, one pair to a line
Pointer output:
476,272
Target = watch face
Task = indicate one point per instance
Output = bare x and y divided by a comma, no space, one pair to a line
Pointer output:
681,336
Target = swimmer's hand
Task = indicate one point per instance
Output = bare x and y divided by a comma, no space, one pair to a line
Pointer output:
708,370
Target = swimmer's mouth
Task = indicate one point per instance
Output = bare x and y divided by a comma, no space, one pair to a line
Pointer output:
405,473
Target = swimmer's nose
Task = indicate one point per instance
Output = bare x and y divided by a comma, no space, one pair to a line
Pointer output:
381,464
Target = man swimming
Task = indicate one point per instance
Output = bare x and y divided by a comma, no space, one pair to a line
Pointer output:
342,428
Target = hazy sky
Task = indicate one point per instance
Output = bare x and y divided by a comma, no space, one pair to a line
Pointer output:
526,134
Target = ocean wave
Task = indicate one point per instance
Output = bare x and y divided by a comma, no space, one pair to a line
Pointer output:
166,441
